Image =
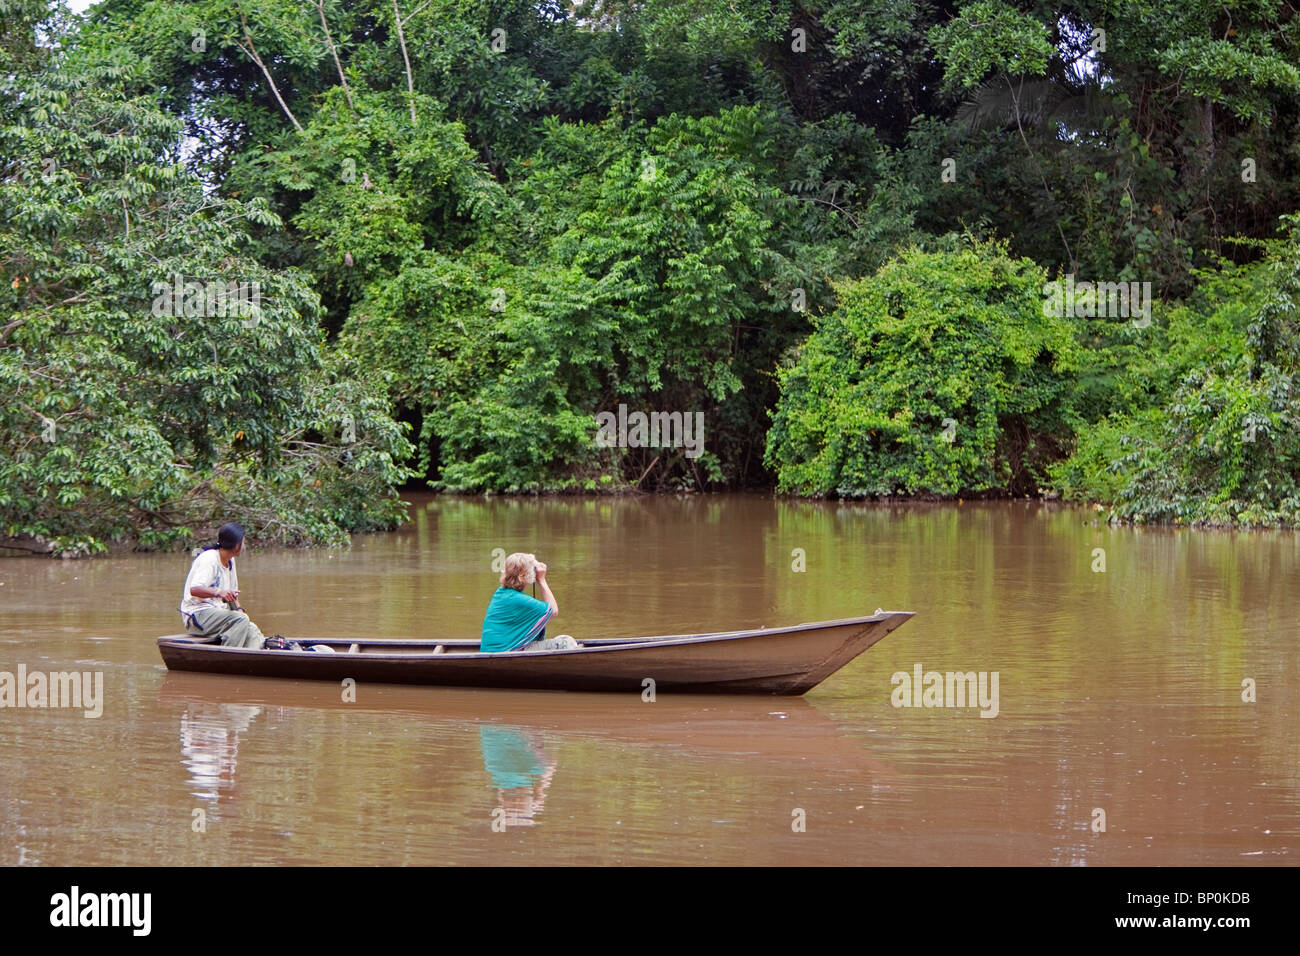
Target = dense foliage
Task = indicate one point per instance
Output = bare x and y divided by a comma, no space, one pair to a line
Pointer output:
939,374
137,405
824,226
1215,439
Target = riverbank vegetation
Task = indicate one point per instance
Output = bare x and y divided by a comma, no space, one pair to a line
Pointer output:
879,244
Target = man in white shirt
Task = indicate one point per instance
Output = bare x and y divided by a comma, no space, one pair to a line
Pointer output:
210,601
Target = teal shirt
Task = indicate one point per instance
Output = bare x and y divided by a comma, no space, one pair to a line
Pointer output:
513,619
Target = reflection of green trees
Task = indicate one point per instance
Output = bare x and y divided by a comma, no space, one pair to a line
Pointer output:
1155,646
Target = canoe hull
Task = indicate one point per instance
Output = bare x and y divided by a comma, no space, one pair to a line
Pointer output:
775,661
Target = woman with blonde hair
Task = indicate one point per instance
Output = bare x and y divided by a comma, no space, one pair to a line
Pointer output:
515,621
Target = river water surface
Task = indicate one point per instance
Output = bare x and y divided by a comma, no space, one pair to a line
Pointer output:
1121,735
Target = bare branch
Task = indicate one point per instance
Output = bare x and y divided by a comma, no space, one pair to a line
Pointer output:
1033,157
646,472
251,50
320,8
37,546
401,38
4,333
838,208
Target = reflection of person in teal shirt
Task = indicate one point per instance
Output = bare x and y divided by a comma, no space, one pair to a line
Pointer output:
510,760
520,769
516,622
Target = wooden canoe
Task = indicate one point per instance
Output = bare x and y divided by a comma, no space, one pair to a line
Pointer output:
776,660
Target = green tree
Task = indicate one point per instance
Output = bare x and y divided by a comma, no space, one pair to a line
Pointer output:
126,416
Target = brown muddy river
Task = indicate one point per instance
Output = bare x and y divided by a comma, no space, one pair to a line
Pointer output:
1120,737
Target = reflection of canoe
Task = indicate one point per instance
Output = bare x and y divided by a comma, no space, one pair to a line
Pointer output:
794,735
778,660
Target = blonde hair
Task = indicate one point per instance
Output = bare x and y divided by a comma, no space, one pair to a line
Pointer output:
520,570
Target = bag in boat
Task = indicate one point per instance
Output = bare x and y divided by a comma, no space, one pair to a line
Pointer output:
281,643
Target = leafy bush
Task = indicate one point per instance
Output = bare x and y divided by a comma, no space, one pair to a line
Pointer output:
935,345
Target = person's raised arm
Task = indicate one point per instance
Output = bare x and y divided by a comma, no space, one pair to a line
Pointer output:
547,596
